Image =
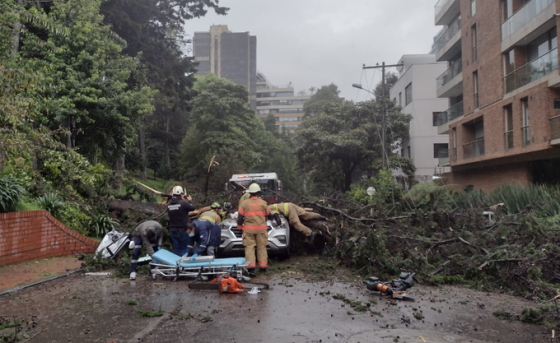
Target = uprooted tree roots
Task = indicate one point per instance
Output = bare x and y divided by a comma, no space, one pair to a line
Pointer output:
518,254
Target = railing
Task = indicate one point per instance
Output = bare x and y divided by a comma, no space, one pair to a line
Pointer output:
448,75
474,149
452,113
440,5
508,138
523,16
443,156
451,31
555,128
532,71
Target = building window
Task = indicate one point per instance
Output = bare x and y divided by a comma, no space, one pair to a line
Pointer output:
507,9
474,42
400,99
473,7
408,94
454,141
525,113
508,118
557,104
402,152
542,45
409,153
439,147
216,54
435,116
475,84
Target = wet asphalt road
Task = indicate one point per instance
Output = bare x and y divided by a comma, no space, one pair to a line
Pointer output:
94,309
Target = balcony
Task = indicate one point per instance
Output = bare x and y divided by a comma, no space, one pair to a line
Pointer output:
450,83
555,131
532,71
449,43
523,16
474,149
528,23
446,10
444,118
443,156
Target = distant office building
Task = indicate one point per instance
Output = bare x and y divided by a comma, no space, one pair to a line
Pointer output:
415,92
231,55
286,107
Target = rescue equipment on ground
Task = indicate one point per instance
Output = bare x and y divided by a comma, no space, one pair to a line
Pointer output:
396,289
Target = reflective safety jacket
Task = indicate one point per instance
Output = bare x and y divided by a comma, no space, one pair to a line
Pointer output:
211,216
253,214
207,234
282,208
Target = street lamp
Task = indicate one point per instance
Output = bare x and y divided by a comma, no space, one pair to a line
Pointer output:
359,86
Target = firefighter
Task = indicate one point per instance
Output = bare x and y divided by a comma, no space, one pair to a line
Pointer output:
149,235
227,208
178,209
214,215
206,234
252,217
294,213
246,195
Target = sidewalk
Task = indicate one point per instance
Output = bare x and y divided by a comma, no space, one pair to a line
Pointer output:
29,272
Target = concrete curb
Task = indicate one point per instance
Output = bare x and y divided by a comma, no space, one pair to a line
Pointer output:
37,283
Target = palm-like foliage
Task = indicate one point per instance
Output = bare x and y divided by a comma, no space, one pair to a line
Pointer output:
51,202
11,191
102,224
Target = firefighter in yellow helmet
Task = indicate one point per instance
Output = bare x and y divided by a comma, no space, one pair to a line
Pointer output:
294,213
214,215
252,217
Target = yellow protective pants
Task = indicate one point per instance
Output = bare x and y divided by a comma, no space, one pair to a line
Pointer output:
252,239
295,213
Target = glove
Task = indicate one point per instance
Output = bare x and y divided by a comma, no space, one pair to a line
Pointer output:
158,248
194,255
154,260
186,254
277,219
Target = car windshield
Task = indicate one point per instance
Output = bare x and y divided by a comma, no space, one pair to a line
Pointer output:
263,183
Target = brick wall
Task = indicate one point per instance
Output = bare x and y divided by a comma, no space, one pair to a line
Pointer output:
488,178
32,235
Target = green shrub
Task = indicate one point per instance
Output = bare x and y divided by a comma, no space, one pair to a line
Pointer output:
102,224
51,202
11,191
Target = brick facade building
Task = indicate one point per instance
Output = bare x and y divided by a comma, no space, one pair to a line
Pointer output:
503,74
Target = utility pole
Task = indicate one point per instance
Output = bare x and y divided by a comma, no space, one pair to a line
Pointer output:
383,106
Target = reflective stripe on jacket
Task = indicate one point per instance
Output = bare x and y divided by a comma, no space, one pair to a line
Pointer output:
254,212
281,208
211,216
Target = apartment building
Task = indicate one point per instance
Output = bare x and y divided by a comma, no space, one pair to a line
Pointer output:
415,92
231,55
280,101
503,86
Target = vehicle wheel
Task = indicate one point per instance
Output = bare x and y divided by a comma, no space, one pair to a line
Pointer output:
286,254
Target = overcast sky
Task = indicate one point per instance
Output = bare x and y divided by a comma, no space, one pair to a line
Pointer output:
318,42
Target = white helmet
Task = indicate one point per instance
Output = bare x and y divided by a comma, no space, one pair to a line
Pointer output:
254,188
177,190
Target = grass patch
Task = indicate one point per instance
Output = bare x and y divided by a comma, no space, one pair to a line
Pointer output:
150,314
418,315
9,324
503,315
187,316
132,302
447,280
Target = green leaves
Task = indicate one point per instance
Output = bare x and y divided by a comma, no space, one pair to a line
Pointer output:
11,191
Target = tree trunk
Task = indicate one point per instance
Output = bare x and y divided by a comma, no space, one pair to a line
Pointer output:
118,168
142,147
17,31
167,158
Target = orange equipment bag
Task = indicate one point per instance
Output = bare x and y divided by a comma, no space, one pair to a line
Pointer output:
229,285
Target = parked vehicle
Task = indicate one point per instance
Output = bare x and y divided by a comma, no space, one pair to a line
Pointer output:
269,183
232,242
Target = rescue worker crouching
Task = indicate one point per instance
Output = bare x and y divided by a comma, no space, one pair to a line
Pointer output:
206,234
149,235
252,217
227,208
214,215
178,210
294,213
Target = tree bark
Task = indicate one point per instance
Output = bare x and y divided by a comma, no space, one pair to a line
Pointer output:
142,147
17,31
167,158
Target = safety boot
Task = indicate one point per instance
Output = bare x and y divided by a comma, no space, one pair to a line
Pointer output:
262,270
252,272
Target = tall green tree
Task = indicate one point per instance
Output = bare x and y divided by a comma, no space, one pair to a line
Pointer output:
324,96
88,72
341,142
